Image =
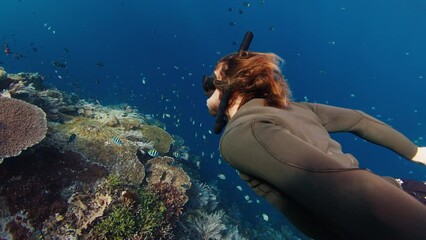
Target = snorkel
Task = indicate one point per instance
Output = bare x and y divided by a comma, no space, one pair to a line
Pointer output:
209,88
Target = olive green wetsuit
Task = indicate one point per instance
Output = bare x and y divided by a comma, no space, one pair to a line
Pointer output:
288,157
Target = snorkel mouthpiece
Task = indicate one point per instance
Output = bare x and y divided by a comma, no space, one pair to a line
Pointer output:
209,88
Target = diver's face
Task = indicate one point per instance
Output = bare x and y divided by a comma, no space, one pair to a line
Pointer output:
214,100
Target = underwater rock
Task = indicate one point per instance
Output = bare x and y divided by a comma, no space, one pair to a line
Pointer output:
161,139
22,125
113,122
87,111
101,144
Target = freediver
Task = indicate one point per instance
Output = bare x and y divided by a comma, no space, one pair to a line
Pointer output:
284,151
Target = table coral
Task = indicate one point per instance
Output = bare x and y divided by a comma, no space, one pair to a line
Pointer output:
161,139
22,125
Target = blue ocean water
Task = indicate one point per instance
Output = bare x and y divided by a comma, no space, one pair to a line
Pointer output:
151,54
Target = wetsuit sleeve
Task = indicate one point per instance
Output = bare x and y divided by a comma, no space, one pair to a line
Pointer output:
336,119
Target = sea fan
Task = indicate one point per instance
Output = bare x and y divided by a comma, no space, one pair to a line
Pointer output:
206,196
210,226
233,234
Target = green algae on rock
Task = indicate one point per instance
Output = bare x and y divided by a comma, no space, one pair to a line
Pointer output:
95,141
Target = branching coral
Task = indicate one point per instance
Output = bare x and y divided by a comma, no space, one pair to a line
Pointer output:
150,213
139,215
119,224
22,125
233,234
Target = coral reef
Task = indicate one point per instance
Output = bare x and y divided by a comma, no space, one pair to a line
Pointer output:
93,176
37,181
22,125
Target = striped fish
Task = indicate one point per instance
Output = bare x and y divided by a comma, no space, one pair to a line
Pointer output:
117,141
153,153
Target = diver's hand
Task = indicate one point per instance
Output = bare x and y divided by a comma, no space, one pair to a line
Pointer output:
420,156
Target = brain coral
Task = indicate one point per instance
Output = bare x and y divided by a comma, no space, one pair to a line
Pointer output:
22,125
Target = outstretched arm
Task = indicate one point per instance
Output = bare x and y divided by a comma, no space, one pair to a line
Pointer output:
336,119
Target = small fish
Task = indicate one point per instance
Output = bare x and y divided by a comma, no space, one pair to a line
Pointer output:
265,217
221,176
72,138
246,197
99,64
239,188
153,153
117,141
176,154
59,64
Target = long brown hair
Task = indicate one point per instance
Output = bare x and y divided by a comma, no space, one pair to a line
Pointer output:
254,75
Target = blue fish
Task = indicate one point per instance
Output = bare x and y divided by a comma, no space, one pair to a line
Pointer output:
117,141
72,138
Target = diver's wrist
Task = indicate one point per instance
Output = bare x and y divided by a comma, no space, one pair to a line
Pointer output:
420,156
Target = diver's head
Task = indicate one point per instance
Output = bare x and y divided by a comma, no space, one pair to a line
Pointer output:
249,75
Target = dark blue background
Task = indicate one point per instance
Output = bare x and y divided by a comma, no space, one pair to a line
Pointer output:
368,55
